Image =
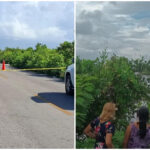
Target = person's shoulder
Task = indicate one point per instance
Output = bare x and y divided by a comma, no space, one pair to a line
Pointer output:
109,124
135,124
96,120
132,126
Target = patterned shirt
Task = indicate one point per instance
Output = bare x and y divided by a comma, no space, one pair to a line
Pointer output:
101,129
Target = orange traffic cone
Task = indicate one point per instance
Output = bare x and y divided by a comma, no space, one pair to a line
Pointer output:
3,66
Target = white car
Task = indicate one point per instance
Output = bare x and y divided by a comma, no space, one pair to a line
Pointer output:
69,80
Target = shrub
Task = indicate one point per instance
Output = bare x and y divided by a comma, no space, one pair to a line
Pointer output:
41,57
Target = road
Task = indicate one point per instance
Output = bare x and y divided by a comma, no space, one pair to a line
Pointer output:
35,112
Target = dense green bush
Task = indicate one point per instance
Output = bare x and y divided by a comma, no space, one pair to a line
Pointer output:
109,79
40,57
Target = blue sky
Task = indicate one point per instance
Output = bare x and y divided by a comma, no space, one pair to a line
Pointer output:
120,27
24,24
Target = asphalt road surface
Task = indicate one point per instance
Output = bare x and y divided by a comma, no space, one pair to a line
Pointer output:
35,112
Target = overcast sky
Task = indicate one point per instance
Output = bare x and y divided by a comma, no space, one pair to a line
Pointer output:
23,24
121,27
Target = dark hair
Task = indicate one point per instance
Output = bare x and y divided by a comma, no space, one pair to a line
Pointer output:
143,114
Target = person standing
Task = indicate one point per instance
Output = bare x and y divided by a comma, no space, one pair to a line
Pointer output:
138,133
102,128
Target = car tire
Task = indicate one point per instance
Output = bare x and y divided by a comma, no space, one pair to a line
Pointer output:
68,85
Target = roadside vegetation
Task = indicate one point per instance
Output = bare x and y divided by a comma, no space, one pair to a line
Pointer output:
40,57
105,79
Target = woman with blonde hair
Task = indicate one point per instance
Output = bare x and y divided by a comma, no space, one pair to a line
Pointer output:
102,128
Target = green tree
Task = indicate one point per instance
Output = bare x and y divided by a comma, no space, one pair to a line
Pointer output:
67,50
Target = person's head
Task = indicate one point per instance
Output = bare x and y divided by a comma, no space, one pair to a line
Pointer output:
108,112
143,115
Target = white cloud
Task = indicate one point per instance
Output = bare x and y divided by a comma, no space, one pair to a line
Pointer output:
19,30
53,32
121,16
16,29
36,21
141,29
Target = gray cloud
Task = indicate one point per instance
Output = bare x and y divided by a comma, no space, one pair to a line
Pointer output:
121,27
84,27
